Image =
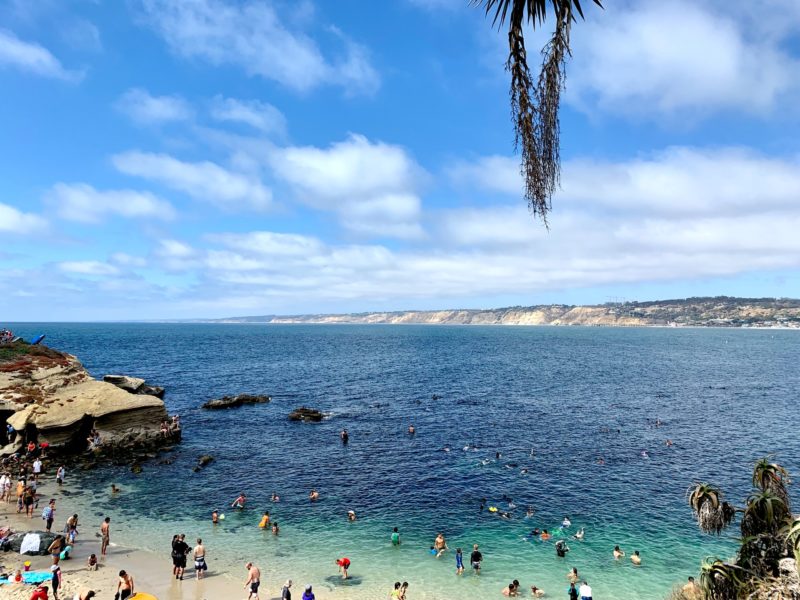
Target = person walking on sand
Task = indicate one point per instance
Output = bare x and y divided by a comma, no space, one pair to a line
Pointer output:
200,565
125,585
105,535
344,564
48,514
253,581
286,592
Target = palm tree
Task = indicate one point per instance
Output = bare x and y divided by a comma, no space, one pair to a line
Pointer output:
534,109
712,514
772,477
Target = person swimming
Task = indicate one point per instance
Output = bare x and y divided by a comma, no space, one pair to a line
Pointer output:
618,553
240,501
579,535
529,512
566,523
275,497
561,548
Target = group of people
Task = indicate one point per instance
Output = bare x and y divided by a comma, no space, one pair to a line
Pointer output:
180,552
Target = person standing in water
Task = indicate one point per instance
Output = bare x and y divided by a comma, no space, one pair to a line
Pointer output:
411,430
200,565
459,562
105,535
439,544
264,524
240,501
475,559
618,553
344,564
253,581
345,437
395,537
215,516
635,558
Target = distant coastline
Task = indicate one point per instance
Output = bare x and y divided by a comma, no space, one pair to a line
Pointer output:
720,311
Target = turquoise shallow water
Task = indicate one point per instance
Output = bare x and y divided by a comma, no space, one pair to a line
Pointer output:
725,397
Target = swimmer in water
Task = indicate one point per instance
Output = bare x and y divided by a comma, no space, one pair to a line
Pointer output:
497,455
351,515
635,558
240,501
275,497
618,553
523,471
668,443
644,454
561,548
411,430
439,544
529,512
459,562
601,460
573,576
566,522
215,516
264,524
579,535
345,437
545,536
115,489
313,496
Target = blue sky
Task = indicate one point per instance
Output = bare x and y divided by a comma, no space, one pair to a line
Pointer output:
211,158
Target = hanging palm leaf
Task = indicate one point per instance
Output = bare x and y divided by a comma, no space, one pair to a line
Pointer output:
712,514
765,513
534,109
720,580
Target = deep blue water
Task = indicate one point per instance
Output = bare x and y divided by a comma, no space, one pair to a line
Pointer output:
570,395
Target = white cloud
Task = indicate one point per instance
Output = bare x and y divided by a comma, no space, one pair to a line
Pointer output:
88,267
141,107
14,221
370,185
32,58
205,180
82,203
259,115
126,260
654,58
252,36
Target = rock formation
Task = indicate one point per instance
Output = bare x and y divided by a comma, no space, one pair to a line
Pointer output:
232,401
134,385
307,415
48,396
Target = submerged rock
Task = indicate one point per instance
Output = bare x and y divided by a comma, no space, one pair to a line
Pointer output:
233,401
307,415
203,461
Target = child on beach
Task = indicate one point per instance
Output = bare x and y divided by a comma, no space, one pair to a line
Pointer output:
91,562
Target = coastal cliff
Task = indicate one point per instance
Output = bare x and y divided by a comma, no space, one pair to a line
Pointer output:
720,311
48,396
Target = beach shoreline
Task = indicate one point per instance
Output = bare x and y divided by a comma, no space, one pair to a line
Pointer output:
150,571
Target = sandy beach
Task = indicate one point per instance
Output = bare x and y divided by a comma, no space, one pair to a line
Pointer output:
151,573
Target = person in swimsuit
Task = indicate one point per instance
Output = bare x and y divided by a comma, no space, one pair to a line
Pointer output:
351,515
395,593
395,537
459,562
124,585
253,581
55,579
200,565
344,436
313,496
635,558
572,576
105,535
215,516
618,553
55,548
275,529
439,544
476,558
240,501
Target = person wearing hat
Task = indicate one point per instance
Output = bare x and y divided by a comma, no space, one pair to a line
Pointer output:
286,593
55,579
308,594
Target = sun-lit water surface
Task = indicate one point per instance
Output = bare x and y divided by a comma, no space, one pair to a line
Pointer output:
550,400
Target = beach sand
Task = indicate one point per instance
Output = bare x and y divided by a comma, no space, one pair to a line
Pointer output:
151,573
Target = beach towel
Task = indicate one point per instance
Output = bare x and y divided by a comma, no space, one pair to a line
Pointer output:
32,577
31,543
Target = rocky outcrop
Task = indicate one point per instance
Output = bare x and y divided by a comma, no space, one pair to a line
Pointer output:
49,396
134,385
203,462
307,415
14,542
233,401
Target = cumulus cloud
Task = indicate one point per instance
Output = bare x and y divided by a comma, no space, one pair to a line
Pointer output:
655,58
14,221
142,107
82,203
259,115
205,180
251,35
32,58
370,185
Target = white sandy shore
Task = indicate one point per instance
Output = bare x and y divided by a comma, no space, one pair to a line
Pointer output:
151,573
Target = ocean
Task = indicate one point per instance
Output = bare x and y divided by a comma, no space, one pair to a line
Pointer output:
551,401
